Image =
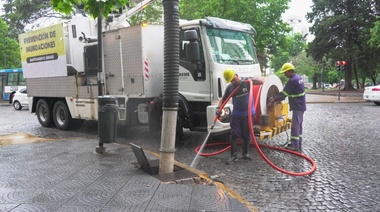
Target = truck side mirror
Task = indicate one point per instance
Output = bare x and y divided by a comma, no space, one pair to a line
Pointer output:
192,48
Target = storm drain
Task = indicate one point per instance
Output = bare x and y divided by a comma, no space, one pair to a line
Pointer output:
179,175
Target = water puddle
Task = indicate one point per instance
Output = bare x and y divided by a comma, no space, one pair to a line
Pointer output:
21,138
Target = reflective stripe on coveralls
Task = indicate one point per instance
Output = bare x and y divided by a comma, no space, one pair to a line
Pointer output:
293,95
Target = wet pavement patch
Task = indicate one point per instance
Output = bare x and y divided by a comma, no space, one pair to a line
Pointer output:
21,138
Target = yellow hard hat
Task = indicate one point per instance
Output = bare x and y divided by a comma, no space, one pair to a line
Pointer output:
228,74
287,67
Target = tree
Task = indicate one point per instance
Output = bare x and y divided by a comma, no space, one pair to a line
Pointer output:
34,13
263,15
151,15
341,30
95,8
293,50
374,41
9,48
291,47
19,13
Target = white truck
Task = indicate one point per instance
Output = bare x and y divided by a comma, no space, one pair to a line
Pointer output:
60,66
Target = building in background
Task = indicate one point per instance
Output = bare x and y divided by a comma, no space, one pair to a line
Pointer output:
298,25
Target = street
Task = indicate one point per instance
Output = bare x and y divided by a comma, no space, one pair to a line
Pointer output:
342,138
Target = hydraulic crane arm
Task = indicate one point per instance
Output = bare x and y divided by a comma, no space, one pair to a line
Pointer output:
137,8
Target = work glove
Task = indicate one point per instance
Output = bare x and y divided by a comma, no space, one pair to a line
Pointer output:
217,111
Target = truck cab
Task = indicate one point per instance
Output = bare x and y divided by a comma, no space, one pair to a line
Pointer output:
207,47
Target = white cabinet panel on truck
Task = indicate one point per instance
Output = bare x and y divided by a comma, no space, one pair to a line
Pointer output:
133,60
112,63
133,68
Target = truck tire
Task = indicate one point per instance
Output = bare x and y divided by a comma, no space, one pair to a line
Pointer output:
44,113
61,116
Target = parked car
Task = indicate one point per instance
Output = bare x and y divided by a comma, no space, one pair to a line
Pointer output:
372,94
328,86
20,99
308,85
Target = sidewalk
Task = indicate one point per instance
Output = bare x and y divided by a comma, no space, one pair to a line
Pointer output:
315,96
334,96
66,175
4,103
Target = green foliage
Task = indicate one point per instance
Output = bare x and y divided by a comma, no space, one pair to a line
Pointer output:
374,41
151,15
281,57
96,8
305,65
263,15
19,13
331,76
291,47
9,49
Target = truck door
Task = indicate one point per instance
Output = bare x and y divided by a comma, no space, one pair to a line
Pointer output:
113,70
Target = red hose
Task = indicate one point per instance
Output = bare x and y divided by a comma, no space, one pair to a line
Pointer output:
314,166
214,153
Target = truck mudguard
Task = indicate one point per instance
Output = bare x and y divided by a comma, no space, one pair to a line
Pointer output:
155,111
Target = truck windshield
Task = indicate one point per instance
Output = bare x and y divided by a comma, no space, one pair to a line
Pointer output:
232,47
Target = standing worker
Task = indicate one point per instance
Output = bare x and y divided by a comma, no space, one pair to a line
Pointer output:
239,117
294,89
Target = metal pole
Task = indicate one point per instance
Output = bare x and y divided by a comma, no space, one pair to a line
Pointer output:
100,149
4,52
100,89
322,81
100,42
340,76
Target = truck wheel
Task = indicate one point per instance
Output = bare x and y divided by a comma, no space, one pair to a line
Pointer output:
61,116
44,114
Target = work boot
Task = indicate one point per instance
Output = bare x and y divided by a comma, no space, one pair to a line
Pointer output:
247,157
245,147
293,146
231,160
